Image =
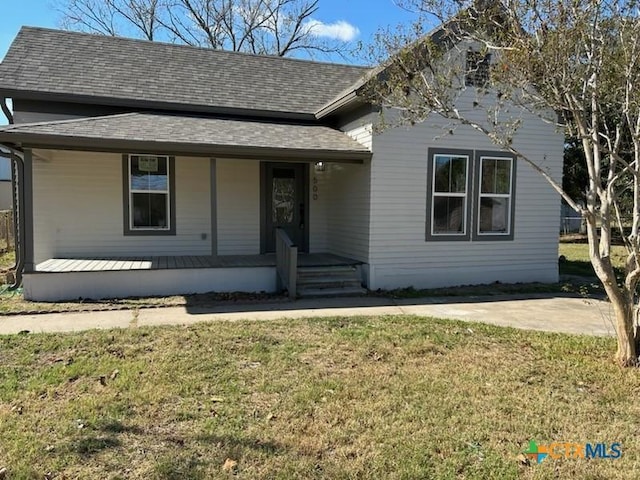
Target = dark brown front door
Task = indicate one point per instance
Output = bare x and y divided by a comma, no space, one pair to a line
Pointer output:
285,204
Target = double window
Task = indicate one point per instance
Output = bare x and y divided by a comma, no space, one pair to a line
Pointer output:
149,206
470,195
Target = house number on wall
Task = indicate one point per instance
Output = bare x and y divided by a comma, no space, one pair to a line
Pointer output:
315,188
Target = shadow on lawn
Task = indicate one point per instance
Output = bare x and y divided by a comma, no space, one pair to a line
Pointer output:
384,299
236,445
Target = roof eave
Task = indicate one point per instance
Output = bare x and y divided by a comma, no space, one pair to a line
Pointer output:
347,100
64,142
129,104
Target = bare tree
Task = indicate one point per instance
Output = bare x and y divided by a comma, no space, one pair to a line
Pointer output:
274,27
573,63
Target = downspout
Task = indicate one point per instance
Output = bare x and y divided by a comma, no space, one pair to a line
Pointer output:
17,180
17,192
6,111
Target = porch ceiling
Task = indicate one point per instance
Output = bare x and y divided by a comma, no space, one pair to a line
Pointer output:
190,135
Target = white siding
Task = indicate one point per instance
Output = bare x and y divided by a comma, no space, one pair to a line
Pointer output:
134,283
399,254
78,208
363,134
238,192
339,210
340,214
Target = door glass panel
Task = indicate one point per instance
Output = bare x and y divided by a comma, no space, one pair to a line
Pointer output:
284,200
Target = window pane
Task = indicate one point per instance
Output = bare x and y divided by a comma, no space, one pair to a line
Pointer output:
149,173
450,174
496,175
494,215
443,167
448,215
283,200
503,176
149,210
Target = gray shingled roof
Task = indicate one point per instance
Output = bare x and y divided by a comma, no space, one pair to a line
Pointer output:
189,134
48,61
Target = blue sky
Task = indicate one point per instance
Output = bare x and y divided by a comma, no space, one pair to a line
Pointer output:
334,17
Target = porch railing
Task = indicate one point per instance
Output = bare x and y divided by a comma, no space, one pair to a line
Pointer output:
286,262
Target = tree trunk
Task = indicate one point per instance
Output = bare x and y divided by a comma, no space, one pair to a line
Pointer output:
624,319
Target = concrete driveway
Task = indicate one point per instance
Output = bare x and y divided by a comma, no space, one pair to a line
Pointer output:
553,313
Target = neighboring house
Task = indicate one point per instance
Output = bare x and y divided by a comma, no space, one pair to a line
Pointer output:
6,197
161,169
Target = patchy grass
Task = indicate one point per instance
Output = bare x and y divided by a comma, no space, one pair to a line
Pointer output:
12,303
577,259
370,397
7,260
490,289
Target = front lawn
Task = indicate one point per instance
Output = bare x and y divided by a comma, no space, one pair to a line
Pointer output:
371,397
577,262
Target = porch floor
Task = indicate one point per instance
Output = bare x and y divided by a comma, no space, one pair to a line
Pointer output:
98,264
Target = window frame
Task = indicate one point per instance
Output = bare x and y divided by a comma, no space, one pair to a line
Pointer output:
478,195
429,233
477,69
129,229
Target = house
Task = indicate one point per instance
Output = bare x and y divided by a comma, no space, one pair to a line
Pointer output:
154,169
6,198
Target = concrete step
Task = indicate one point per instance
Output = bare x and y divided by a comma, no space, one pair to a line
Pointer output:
331,292
330,282
327,269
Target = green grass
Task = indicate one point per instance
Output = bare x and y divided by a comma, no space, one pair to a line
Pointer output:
370,397
577,259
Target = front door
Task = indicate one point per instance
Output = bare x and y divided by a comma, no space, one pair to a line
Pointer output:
285,204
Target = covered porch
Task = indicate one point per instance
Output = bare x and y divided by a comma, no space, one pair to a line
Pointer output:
179,262
95,277
215,190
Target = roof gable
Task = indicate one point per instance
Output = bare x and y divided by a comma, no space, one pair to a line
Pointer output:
125,71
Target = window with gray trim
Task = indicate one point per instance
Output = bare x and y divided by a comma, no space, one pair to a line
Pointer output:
449,194
470,195
449,206
149,205
494,203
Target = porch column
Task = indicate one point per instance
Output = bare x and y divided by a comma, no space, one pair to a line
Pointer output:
213,189
27,211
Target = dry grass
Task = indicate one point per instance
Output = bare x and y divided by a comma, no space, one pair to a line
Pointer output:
12,302
375,397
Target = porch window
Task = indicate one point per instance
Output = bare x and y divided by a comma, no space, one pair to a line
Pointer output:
149,205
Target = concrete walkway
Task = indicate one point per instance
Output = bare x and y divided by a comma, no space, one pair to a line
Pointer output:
552,313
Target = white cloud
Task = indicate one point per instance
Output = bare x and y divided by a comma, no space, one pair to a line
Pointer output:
339,30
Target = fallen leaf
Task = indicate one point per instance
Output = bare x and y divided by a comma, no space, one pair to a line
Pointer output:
217,399
522,459
3,472
229,465
114,374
